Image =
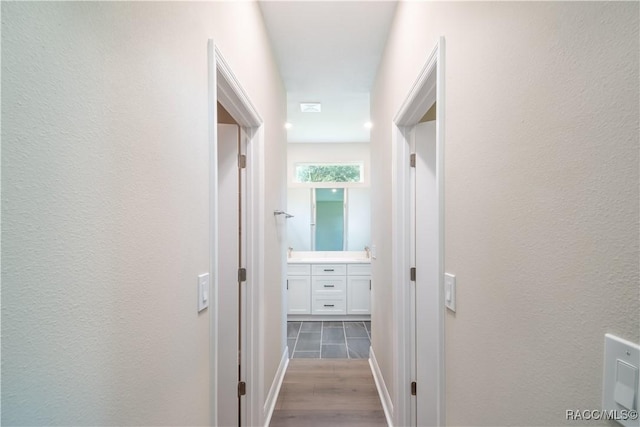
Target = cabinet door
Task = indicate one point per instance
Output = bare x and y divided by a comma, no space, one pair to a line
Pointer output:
299,294
358,295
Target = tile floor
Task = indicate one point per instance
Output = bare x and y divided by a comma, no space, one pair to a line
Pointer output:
329,340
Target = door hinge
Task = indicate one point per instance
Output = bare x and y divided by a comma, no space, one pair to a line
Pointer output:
242,388
412,274
414,388
287,284
412,160
242,275
242,161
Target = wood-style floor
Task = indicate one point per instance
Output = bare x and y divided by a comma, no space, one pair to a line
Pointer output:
328,392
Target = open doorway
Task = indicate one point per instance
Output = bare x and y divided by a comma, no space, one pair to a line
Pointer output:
231,260
418,264
235,205
329,260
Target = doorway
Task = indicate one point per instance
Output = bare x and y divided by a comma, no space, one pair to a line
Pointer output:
236,165
418,264
231,259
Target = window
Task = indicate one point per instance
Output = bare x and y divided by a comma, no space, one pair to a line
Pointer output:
328,172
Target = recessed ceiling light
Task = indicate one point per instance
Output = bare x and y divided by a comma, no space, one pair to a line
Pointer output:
368,125
335,190
288,125
310,107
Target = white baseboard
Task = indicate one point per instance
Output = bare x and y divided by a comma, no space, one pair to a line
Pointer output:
274,391
387,405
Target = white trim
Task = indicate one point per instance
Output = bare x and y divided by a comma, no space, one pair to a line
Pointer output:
225,88
428,88
255,276
421,95
274,391
383,392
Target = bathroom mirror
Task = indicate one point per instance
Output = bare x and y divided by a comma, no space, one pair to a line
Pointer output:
329,219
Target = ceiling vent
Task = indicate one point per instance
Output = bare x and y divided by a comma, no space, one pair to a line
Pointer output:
310,107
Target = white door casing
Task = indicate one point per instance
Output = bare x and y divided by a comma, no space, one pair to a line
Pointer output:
224,87
411,339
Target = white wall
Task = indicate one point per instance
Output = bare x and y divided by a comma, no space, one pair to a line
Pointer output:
105,206
327,153
541,198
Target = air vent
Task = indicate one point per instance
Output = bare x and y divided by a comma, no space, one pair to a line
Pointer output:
310,107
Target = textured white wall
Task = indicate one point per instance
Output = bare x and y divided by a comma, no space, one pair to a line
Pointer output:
105,206
541,170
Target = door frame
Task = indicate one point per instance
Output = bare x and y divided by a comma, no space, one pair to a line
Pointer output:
427,89
224,87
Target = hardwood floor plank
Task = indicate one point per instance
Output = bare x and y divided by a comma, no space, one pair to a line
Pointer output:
326,392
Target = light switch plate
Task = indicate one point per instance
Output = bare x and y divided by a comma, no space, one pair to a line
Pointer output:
450,291
203,291
620,385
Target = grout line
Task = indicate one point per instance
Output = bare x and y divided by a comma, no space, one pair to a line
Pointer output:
346,343
321,334
297,336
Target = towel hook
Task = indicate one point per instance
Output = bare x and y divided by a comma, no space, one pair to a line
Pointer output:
286,215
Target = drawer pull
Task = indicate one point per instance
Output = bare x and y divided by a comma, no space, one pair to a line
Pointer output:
329,286
328,269
329,305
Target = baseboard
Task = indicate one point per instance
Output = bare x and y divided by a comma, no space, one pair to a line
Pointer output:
272,397
387,405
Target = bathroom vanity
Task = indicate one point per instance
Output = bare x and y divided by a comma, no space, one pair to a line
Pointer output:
322,288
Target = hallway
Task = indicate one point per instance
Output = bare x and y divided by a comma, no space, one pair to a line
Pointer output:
115,292
319,392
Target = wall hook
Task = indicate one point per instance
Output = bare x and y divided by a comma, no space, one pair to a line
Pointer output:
286,215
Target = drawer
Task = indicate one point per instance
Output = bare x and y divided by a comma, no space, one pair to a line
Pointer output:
329,270
298,269
328,305
328,285
359,269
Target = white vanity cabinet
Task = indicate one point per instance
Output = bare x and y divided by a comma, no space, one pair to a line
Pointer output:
334,290
299,289
329,289
359,289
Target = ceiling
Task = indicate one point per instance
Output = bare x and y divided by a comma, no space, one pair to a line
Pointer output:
328,52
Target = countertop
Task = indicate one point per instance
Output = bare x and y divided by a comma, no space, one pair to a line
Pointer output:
295,260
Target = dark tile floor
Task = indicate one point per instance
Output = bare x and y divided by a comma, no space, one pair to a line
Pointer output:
329,340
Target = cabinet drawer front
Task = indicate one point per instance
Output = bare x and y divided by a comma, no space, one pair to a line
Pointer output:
359,269
329,285
329,270
298,269
328,305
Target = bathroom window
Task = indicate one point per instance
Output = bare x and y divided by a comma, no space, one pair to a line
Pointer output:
328,172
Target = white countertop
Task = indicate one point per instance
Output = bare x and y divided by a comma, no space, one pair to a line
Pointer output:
329,257
295,260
